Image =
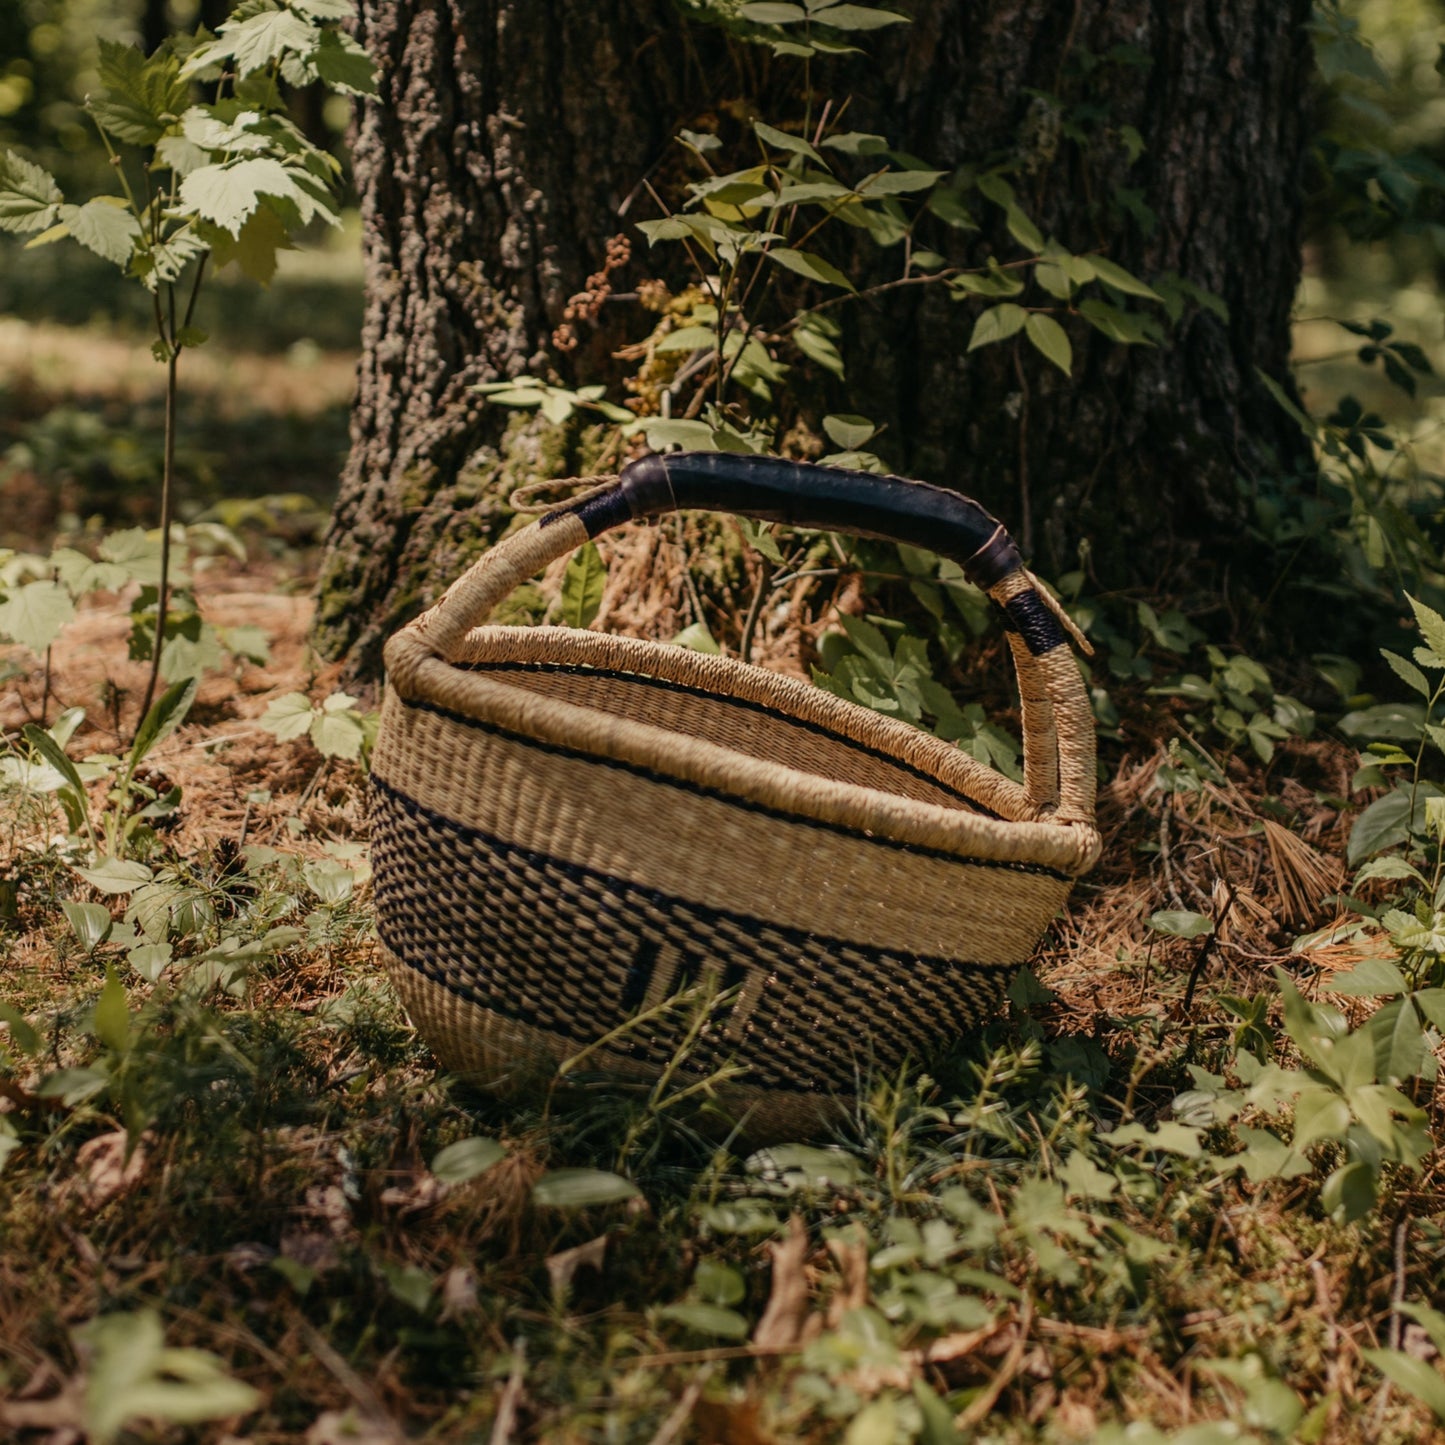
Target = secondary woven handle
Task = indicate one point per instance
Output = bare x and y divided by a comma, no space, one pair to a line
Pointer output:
1058,723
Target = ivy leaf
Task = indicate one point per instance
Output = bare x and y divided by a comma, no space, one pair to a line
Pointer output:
582,585
1051,339
814,267
34,613
253,43
228,194
29,198
141,97
105,226
343,64
997,324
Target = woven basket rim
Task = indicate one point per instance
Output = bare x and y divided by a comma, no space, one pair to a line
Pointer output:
419,678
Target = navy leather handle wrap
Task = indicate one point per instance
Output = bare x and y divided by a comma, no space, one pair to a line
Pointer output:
803,494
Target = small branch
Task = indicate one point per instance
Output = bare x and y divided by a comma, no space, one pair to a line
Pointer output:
760,593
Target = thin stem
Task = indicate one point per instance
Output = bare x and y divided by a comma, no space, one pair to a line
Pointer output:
750,627
173,356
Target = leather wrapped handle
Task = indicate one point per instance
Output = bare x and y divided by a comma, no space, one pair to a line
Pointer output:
804,494
1058,723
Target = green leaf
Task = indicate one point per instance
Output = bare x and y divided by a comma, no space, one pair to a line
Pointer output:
29,198
1125,327
150,959
815,268
1349,1193
324,9
848,432
1432,625
818,345
337,734
227,194
696,638
255,246
898,183
762,12
34,613
688,338
89,922
582,586
1415,1377
857,17
133,1376
49,749
467,1159
254,42
857,143
166,714
1385,823
694,435
1371,978
110,1021
581,1188
1051,339
22,1034
1122,280
116,875
1431,1320
105,226
343,64
781,140
1180,923
142,98
712,1320
288,717
1023,230
997,324
1407,672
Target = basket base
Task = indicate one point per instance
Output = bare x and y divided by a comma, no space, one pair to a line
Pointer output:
509,1059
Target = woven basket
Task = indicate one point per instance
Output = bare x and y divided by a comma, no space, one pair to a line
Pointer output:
570,828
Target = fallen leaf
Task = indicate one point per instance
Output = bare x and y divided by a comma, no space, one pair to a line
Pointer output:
458,1293
346,1427
102,1170
561,1267
852,1257
786,1314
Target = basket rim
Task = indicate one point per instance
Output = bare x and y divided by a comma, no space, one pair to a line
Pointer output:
1021,834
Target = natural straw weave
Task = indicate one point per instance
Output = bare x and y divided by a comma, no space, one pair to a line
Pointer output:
570,828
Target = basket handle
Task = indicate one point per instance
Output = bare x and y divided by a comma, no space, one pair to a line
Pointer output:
1058,722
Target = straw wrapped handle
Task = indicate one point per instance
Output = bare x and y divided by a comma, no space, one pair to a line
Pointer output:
1058,721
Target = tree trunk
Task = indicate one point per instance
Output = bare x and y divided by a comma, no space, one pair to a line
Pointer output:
491,170
508,135
1149,454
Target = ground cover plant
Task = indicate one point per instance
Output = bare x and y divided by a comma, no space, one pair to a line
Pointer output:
1189,1191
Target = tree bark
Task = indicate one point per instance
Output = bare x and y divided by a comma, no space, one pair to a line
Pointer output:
508,135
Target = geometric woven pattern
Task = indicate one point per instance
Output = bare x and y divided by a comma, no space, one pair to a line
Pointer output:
575,952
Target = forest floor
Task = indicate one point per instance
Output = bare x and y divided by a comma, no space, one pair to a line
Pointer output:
240,1201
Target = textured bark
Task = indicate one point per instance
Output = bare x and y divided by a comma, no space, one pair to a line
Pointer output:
1149,454
491,169
507,135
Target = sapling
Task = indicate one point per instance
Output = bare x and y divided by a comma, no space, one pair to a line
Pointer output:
209,170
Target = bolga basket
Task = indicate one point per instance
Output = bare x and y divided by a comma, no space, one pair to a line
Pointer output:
568,828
